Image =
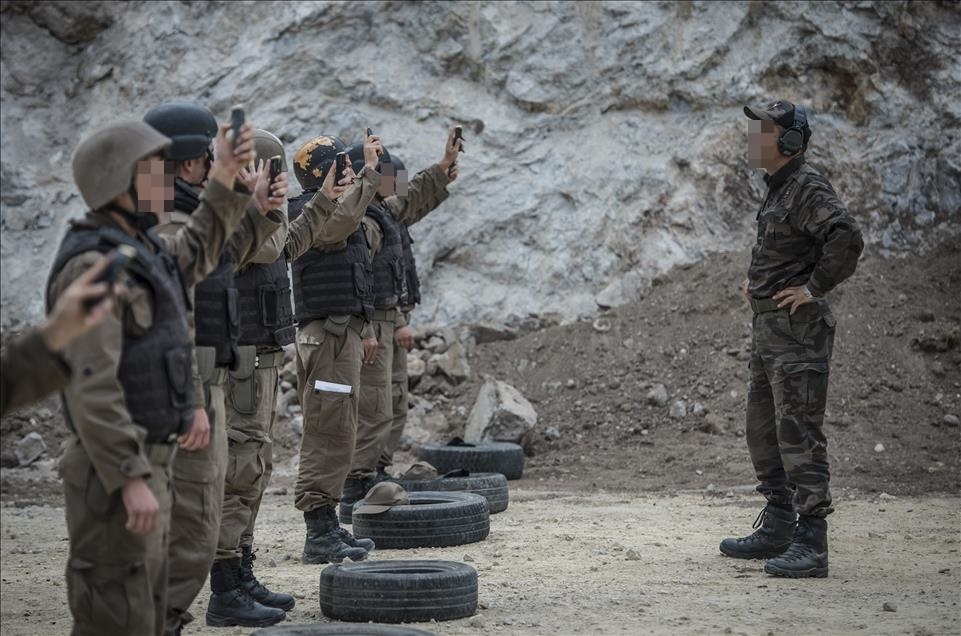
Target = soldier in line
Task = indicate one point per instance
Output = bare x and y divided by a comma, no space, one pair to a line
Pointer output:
807,244
410,298
198,474
130,400
333,307
386,222
32,366
266,325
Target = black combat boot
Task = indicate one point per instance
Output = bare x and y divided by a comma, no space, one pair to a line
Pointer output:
775,527
257,590
231,603
347,537
807,557
323,543
354,490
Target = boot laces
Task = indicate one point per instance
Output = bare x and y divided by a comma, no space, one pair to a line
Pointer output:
248,576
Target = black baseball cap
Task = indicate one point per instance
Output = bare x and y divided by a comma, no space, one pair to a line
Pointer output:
780,112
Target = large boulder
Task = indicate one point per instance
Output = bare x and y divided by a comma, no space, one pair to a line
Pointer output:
500,414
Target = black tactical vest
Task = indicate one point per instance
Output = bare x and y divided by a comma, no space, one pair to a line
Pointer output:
216,314
331,282
155,369
216,311
389,282
266,314
412,297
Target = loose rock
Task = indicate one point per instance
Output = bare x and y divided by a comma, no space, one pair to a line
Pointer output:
657,395
30,448
500,413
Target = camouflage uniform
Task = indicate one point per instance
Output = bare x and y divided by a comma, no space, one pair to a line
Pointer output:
805,237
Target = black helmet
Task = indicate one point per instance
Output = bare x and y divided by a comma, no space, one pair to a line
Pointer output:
398,164
356,156
314,159
191,127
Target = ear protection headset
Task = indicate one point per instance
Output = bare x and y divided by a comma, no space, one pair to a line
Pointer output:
792,140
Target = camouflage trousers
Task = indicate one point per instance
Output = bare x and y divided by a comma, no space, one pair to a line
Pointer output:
789,366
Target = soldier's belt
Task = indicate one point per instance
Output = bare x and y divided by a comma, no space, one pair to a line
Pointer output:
160,454
338,325
385,315
763,305
269,360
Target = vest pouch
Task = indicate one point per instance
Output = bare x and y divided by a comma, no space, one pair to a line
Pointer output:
361,284
268,306
206,363
177,362
233,313
243,381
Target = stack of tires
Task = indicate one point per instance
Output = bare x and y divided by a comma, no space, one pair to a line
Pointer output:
452,509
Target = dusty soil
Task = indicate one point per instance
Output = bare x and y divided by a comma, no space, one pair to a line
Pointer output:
559,562
896,374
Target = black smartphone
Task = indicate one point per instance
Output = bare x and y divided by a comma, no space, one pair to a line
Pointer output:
458,135
341,166
276,167
369,132
236,121
118,263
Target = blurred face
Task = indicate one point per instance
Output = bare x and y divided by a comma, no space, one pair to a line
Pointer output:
387,180
155,185
762,136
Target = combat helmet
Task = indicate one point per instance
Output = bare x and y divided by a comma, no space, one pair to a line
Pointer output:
314,158
267,145
191,127
105,163
355,155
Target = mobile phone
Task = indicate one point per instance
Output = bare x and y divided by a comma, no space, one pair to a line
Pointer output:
236,121
341,166
276,167
369,132
458,135
118,263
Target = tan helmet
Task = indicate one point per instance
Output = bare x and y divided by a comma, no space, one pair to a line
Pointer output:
105,163
266,145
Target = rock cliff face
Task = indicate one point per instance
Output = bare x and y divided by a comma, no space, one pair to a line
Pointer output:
606,140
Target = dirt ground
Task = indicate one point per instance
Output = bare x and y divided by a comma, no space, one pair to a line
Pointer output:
558,562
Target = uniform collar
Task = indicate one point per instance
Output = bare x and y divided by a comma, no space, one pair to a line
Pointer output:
776,180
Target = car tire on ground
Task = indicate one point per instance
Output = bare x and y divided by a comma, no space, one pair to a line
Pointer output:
483,457
491,486
431,520
398,591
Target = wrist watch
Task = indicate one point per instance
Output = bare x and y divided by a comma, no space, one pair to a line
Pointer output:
807,292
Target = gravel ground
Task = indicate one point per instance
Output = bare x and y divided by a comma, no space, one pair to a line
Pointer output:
563,562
